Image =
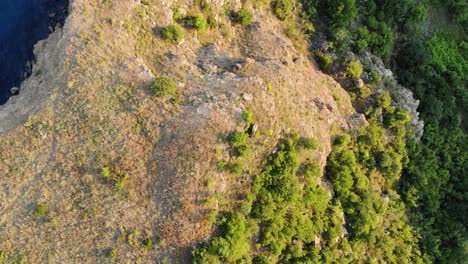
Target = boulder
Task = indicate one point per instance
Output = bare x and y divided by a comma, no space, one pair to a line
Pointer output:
359,83
247,97
357,121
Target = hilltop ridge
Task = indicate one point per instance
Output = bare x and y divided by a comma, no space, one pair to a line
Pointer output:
116,165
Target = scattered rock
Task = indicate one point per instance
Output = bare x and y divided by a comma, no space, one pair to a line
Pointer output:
15,90
237,67
252,130
247,97
229,75
249,61
403,96
357,121
359,83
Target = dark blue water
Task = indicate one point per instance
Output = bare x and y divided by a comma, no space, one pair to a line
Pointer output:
22,24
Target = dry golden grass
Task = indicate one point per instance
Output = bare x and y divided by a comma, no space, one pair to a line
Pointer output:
101,114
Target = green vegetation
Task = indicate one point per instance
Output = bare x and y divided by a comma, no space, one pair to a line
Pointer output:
147,244
238,142
112,254
435,184
354,69
115,176
173,33
430,59
283,9
244,17
41,210
198,22
308,143
325,61
400,201
289,217
235,168
248,118
164,86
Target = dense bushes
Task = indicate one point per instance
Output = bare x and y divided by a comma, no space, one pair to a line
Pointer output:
289,217
354,69
434,67
435,181
243,17
164,86
339,12
238,142
277,206
197,22
173,33
325,61
283,8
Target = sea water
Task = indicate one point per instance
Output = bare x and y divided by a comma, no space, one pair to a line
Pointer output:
22,24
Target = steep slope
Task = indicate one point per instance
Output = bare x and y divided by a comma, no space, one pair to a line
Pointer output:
116,165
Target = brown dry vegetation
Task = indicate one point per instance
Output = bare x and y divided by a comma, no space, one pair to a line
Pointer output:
95,111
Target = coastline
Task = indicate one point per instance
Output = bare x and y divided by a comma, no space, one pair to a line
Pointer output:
46,69
19,36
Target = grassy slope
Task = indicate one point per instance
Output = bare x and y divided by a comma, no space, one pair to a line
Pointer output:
102,115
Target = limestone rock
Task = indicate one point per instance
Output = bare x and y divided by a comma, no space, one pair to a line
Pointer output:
357,121
247,97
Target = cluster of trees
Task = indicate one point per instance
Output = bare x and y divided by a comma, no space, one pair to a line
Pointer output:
432,61
435,182
290,216
391,199
281,217
370,25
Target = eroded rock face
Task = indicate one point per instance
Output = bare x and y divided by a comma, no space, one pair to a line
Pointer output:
357,121
403,96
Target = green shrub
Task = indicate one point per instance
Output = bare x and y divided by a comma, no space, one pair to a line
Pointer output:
312,169
147,243
248,118
325,61
235,243
283,8
41,209
235,168
261,259
308,143
112,254
244,17
164,86
237,139
199,23
173,33
105,172
242,151
374,77
221,165
354,70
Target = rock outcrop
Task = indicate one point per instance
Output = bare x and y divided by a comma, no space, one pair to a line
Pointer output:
403,96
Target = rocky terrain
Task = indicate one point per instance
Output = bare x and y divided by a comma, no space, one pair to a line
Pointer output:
87,109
